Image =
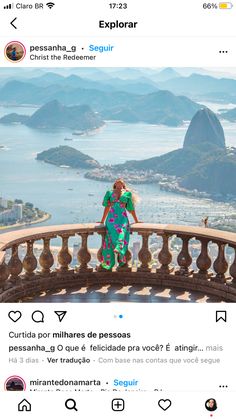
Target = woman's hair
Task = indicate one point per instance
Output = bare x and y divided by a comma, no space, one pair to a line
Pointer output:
135,197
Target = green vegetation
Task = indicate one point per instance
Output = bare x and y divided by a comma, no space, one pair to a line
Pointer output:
215,173
67,156
204,163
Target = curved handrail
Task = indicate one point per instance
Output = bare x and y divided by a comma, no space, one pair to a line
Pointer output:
21,236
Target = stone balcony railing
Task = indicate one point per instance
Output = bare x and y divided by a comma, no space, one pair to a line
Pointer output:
28,277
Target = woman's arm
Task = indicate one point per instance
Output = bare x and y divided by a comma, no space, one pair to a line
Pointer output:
107,204
133,213
105,212
130,207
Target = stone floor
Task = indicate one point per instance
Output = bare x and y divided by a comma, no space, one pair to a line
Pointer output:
132,294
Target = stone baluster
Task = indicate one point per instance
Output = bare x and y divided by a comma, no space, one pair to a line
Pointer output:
220,265
232,269
99,253
64,256
203,261
30,261
15,264
84,255
184,258
4,272
165,256
144,254
46,259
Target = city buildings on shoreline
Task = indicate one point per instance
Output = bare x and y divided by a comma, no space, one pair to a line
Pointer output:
10,215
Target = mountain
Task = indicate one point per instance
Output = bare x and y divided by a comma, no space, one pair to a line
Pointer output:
166,74
7,73
213,174
93,73
157,107
198,84
56,115
18,92
126,73
160,107
47,79
14,118
69,83
214,72
229,115
218,97
140,86
68,156
174,163
204,129
204,163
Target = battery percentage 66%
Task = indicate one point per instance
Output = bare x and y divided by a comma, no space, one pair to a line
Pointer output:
213,6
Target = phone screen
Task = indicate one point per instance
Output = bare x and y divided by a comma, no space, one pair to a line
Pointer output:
117,209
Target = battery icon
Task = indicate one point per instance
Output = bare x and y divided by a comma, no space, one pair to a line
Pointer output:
225,5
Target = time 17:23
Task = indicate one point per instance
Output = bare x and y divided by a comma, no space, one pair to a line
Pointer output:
118,5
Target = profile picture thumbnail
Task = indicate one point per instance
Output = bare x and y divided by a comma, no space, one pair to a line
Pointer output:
15,383
15,51
211,405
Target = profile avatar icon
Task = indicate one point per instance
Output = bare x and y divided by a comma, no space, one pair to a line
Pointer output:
211,405
14,383
15,51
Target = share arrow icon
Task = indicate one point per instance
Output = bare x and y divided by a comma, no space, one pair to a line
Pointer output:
60,314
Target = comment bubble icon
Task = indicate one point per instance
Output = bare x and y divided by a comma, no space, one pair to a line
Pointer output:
38,316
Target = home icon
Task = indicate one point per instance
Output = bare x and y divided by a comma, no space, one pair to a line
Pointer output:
24,406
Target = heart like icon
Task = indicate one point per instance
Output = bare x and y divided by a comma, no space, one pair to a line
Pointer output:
164,404
14,315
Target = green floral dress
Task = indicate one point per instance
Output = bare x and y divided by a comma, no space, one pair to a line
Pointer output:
117,228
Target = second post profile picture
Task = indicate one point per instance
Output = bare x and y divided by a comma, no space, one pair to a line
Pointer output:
15,51
15,383
211,405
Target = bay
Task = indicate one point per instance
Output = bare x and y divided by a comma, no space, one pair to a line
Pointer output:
69,197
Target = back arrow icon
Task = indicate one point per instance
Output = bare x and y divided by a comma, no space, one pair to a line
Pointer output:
12,23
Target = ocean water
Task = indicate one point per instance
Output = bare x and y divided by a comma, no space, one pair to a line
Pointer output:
49,187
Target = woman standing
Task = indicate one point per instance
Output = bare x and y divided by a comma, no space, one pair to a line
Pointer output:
116,202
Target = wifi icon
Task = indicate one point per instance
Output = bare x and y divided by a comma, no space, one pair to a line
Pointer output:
50,5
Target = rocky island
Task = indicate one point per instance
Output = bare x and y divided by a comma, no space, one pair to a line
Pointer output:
69,157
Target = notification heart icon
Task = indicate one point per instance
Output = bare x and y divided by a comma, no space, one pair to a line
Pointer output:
14,315
164,404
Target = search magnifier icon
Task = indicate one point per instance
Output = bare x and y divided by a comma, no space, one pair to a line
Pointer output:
71,404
